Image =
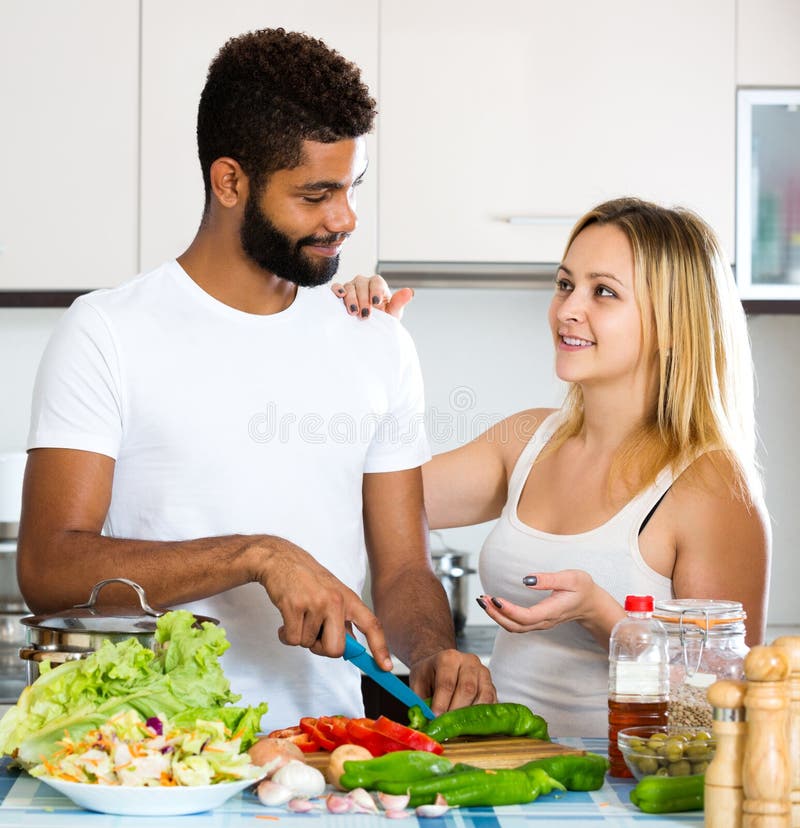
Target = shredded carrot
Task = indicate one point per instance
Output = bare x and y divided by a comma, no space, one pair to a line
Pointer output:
68,777
167,780
267,816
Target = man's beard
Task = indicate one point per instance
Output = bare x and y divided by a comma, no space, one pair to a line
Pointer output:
275,252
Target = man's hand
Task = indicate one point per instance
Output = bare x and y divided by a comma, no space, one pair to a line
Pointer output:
364,294
453,679
316,606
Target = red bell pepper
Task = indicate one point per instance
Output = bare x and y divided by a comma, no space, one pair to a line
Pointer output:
309,725
295,734
412,739
334,728
362,732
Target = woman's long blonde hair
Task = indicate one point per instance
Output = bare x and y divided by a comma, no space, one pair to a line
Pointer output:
698,331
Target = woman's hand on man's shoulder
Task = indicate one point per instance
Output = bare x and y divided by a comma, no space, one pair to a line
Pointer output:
363,294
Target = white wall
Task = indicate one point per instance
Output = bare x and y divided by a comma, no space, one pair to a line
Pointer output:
486,354
491,350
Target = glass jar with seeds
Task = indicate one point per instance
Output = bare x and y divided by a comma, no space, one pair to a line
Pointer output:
706,643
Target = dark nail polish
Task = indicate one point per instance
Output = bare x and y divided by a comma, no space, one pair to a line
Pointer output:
365,311
375,300
353,308
340,291
497,603
530,580
481,603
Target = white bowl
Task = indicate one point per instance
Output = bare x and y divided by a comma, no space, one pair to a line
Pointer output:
156,801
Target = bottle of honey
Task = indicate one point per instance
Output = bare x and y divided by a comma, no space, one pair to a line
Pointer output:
638,675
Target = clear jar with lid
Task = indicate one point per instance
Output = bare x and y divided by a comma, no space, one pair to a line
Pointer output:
706,643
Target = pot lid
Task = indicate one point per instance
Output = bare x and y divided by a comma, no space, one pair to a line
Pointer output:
106,619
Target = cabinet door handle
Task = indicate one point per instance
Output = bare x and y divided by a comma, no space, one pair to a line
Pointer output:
541,220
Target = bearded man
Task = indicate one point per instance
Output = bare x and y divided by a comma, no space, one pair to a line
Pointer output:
219,432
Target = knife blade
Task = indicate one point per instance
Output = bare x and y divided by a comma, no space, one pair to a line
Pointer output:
358,655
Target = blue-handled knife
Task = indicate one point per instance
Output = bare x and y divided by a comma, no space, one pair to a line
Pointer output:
357,654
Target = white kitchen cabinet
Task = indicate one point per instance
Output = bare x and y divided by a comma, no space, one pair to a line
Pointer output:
768,43
179,40
69,92
533,111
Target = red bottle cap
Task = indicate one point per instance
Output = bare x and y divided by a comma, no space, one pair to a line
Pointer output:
639,603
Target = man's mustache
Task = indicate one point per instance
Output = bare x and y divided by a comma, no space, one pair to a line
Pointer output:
323,241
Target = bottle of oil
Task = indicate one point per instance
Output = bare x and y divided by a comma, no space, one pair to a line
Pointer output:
638,676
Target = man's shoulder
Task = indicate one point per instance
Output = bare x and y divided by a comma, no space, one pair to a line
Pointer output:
378,327
143,287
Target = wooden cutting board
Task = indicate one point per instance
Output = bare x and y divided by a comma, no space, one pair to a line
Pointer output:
484,752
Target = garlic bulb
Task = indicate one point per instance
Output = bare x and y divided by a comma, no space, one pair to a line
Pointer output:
301,779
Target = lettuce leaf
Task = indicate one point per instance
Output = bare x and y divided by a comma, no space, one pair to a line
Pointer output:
183,680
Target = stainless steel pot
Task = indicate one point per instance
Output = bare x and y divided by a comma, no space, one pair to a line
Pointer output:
452,568
77,632
12,670
11,599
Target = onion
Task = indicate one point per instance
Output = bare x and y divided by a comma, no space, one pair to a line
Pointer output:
340,755
271,754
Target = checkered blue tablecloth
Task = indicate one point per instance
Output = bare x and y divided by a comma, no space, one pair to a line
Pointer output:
28,803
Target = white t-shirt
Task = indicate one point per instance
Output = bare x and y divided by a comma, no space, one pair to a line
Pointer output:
225,422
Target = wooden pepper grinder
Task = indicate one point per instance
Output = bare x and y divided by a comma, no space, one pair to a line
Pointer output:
723,787
766,766
791,643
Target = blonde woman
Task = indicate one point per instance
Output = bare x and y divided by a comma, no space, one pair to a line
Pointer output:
643,482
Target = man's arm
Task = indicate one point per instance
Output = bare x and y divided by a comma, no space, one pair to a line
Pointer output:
408,598
62,554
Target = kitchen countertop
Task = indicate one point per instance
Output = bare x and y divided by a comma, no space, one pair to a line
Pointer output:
29,803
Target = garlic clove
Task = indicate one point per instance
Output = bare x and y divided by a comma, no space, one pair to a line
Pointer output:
338,804
393,814
363,803
272,793
393,802
432,810
300,806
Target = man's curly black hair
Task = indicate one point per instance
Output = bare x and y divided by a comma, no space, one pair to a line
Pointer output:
268,91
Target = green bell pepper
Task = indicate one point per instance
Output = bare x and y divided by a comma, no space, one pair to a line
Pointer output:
669,794
401,766
476,787
507,719
576,773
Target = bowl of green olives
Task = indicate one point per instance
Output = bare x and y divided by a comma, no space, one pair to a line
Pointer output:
666,751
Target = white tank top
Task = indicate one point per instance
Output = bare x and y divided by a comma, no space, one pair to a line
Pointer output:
562,673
